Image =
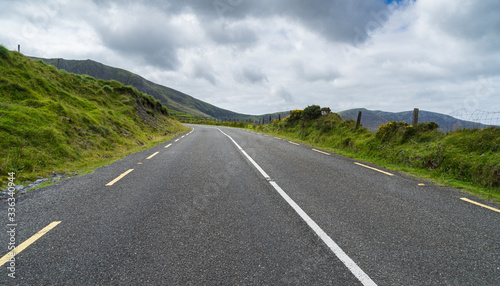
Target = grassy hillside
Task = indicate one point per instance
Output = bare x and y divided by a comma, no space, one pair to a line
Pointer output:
52,120
182,106
468,159
185,105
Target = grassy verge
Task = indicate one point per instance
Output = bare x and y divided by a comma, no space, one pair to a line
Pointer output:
465,159
51,120
203,121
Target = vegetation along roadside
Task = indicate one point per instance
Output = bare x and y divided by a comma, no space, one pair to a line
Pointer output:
468,159
54,121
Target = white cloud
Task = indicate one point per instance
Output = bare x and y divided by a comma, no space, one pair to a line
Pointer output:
266,56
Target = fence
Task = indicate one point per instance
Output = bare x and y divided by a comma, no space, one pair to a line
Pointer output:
463,119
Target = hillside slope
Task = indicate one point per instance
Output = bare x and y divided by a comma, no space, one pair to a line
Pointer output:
52,120
171,98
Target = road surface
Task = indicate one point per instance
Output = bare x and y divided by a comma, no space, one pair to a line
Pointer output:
223,206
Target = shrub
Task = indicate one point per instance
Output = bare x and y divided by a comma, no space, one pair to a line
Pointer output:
391,130
312,112
294,116
4,53
164,110
408,132
430,126
107,88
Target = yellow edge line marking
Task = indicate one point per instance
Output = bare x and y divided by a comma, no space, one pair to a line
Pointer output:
481,205
119,177
277,138
168,145
177,139
321,152
294,143
373,169
28,242
152,156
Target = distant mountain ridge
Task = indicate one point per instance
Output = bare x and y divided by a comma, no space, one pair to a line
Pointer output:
186,106
171,98
372,119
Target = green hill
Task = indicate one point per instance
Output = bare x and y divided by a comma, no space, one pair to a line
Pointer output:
185,105
190,109
52,120
181,105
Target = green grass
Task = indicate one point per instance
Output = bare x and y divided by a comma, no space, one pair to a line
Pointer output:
52,120
4,53
236,124
465,159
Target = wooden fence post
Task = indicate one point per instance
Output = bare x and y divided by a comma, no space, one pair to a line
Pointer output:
415,117
19,48
358,122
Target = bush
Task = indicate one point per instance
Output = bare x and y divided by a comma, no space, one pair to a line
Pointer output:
392,130
164,111
430,126
325,110
4,53
312,112
107,88
294,116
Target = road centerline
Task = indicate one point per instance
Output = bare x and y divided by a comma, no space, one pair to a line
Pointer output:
119,178
27,242
375,169
341,255
322,152
152,156
481,205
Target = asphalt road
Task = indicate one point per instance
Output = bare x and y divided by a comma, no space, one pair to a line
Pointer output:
207,210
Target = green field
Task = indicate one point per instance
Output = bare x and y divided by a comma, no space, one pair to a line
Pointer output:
52,120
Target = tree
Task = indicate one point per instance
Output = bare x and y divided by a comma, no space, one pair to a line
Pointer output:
312,112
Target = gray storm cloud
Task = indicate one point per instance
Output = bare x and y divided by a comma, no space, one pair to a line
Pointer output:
264,56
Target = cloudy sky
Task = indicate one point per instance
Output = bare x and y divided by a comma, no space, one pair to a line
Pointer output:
261,56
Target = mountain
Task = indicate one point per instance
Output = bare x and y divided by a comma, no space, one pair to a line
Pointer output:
182,104
372,119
